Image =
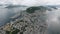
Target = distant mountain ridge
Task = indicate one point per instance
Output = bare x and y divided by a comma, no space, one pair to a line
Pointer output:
11,5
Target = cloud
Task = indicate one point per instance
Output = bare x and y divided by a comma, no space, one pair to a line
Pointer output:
37,2
33,2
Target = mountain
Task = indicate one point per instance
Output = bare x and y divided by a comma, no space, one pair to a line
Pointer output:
52,6
33,20
27,21
12,6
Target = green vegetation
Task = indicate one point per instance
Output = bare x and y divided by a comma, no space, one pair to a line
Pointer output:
14,31
21,21
32,9
42,8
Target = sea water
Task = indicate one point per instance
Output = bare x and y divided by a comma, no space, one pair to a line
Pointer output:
6,13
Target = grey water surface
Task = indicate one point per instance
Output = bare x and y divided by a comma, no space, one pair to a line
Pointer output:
54,22
6,13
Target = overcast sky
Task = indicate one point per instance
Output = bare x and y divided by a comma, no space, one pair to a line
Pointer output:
32,2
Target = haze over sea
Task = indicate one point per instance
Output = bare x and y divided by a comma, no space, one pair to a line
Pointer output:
53,16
